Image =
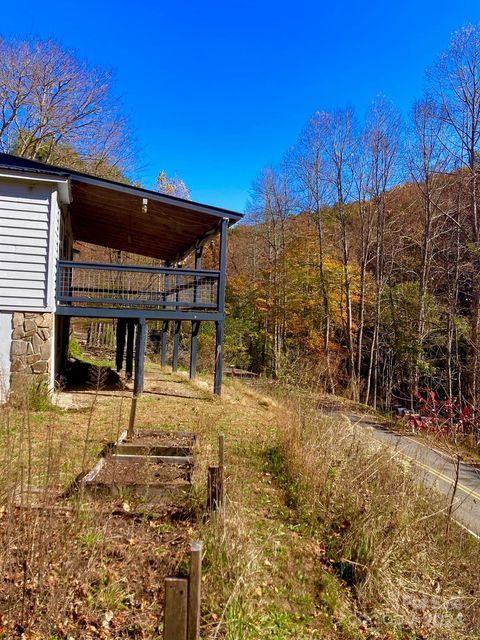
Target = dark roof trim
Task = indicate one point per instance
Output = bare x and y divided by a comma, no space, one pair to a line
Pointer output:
34,171
8,161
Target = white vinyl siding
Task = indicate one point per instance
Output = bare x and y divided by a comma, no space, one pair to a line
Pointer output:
25,232
5,341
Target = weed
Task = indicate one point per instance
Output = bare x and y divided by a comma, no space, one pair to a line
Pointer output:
39,397
89,539
109,595
67,563
164,527
322,534
329,591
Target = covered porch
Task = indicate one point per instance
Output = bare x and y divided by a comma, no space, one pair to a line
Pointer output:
165,234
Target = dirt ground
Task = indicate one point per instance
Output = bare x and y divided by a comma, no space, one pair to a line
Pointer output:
97,573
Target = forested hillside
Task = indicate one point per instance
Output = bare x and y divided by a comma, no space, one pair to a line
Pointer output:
358,265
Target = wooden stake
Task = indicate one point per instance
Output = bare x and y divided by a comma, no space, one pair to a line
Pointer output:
221,468
213,493
131,422
194,591
176,605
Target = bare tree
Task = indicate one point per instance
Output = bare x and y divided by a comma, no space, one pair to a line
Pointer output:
309,167
272,204
427,161
455,83
338,145
172,186
361,168
383,133
55,108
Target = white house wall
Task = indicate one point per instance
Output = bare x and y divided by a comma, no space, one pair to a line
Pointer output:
28,230
5,346
29,237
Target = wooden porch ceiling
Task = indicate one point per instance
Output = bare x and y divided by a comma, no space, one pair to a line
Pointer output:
138,224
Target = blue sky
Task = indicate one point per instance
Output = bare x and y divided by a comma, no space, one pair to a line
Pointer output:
217,90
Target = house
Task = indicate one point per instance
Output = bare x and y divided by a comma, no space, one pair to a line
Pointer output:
44,210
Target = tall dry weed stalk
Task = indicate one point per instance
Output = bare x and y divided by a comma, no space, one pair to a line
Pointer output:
383,531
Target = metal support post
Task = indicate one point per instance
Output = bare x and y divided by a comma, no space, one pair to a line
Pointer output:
219,325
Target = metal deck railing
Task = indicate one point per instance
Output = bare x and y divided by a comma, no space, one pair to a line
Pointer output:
85,284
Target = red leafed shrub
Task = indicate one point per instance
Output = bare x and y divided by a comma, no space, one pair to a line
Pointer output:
446,417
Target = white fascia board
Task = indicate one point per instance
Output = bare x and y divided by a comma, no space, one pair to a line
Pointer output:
62,182
46,309
64,191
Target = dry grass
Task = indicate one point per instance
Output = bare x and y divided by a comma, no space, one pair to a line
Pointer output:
384,533
323,534
52,446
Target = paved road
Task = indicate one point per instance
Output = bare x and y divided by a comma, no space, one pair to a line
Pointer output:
437,470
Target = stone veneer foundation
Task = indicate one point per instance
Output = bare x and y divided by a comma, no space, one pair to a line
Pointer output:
31,350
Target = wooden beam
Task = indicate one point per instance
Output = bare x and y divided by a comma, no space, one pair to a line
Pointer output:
194,349
163,360
176,344
140,343
120,343
213,489
152,314
218,373
131,420
176,328
197,267
130,351
222,265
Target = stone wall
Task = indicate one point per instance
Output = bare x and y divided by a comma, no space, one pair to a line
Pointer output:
31,350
